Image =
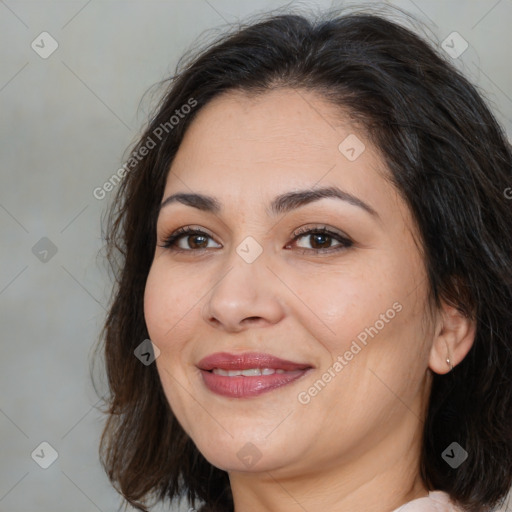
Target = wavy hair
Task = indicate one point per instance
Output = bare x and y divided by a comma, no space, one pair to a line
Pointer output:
450,161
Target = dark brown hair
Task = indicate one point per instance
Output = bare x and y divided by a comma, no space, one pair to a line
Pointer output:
450,161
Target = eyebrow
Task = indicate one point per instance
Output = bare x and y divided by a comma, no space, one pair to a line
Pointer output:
281,204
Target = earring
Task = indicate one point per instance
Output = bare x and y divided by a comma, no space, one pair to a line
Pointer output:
448,362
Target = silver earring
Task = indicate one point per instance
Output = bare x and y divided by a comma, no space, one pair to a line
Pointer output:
449,363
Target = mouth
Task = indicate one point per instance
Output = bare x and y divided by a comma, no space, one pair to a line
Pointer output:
248,375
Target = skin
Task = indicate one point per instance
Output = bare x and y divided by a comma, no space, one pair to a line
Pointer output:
356,444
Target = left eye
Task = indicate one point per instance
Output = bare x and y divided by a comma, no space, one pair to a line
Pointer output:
321,240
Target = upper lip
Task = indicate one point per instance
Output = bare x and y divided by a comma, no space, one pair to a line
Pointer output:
248,360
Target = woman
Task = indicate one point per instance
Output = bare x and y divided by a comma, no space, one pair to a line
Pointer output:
314,236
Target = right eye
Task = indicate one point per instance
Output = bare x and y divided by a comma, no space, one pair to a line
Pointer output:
196,240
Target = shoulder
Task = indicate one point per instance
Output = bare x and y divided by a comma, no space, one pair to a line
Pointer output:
436,501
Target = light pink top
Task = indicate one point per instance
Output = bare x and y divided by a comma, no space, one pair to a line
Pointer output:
436,501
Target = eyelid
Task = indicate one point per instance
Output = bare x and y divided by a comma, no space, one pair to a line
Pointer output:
319,228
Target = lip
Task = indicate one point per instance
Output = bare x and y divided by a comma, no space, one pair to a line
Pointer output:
227,361
245,386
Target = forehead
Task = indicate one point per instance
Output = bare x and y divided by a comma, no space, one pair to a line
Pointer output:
281,126
245,146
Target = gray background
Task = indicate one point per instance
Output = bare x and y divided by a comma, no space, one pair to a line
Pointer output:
66,122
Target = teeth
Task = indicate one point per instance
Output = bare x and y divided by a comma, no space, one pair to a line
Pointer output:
251,372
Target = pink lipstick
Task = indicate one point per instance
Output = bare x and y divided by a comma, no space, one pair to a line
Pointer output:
249,374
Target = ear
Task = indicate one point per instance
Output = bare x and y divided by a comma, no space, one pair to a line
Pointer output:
453,338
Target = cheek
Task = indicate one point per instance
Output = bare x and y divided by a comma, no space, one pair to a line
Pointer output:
380,305
342,304
164,304
165,313
153,304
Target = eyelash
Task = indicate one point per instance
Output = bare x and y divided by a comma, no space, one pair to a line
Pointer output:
345,242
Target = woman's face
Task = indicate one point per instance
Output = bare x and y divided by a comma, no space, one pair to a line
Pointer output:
350,314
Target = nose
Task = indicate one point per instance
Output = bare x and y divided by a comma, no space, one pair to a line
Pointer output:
246,294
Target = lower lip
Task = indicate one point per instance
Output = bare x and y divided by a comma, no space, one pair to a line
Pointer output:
244,387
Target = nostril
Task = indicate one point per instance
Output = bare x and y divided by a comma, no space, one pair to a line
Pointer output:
252,319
